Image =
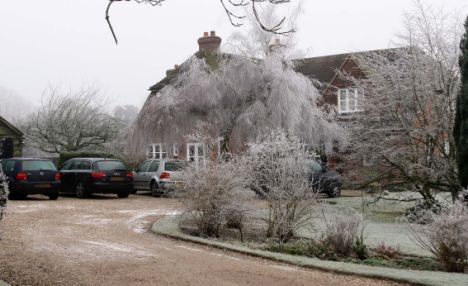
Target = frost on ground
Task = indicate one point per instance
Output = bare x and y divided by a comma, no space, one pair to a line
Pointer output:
114,249
141,226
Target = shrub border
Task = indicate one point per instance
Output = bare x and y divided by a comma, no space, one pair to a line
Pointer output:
168,226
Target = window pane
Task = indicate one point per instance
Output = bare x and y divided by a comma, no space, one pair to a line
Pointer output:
191,150
343,94
157,148
200,150
352,105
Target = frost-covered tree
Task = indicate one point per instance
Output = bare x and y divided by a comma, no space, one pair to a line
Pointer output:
461,123
70,122
125,114
409,105
238,98
13,107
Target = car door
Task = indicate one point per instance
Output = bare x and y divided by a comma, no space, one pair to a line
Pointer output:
66,176
153,171
139,175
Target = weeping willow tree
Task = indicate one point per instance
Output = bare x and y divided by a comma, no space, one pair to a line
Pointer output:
235,98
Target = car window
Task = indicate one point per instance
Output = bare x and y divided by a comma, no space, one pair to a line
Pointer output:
110,165
8,165
315,166
75,165
175,166
82,165
144,166
38,165
154,167
67,165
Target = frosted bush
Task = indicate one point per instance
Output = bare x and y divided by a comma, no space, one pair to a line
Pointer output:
3,193
344,233
277,171
214,195
445,235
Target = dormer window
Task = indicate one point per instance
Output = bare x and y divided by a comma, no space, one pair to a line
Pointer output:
349,100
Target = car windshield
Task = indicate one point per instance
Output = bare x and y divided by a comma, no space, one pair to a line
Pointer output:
314,166
175,166
110,165
39,165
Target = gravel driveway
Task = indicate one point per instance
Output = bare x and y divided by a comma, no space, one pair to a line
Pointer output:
106,241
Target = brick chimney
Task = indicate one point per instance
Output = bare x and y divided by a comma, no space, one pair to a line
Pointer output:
171,71
276,46
209,42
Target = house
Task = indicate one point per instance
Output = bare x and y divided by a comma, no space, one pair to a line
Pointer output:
11,140
325,70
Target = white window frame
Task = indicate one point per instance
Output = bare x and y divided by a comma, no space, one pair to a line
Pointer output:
196,157
358,97
157,155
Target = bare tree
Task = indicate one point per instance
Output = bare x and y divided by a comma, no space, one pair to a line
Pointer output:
231,7
409,97
73,121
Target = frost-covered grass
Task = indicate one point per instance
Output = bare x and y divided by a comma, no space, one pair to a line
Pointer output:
168,226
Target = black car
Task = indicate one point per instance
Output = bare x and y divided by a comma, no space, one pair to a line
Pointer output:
323,180
84,176
30,176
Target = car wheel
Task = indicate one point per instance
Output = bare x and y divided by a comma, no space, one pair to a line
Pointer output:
123,194
81,191
335,192
155,192
53,196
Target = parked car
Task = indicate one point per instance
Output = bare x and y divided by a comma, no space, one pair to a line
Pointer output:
324,180
159,176
31,176
321,180
85,176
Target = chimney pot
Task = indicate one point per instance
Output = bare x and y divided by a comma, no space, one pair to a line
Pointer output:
209,42
176,67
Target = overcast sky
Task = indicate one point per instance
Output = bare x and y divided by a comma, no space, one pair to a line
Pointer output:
68,43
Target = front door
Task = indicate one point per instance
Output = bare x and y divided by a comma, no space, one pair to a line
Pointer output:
6,148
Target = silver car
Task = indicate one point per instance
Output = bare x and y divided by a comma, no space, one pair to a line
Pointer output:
159,176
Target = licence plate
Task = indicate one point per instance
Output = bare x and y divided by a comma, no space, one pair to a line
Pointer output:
42,186
117,179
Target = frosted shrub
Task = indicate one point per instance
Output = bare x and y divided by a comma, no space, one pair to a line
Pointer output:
344,234
3,193
278,173
214,194
445,235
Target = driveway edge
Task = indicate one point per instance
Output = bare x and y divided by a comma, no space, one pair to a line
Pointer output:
168,226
